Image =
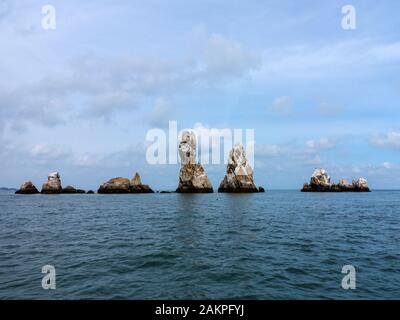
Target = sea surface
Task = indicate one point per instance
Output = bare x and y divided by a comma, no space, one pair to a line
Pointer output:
275,245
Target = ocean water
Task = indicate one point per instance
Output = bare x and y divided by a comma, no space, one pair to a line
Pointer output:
275,245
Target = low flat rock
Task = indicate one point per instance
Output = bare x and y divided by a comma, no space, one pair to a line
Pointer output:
124,185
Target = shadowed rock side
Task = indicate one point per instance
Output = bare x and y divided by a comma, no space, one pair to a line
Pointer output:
124,185
321,182
192,177
239,175
53,184
27,188
71,190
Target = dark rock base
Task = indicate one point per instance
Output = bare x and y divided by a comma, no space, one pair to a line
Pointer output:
125,191
51,191
333,188
194,190
27,191
240,190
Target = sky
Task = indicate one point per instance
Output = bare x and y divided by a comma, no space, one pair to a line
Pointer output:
80,99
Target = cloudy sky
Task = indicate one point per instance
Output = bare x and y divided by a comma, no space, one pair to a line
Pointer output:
80,99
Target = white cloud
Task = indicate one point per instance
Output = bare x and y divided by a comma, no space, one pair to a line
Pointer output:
391,140
387,165
44,152
322,143
282,105
161,113
101,87
310,61
226,58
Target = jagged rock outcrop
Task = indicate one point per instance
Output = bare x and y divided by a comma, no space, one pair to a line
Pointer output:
124,185
27,188
53,184
321,182
360,185
192,177
239,174
136,185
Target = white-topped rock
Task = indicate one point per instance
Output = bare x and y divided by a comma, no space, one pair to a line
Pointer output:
53,184
239,173
192,177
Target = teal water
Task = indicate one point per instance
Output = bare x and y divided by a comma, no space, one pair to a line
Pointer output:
276,245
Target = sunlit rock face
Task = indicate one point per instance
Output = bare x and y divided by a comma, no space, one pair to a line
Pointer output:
239,173
53,184
344,183
27,188
136,185
192,177
320,178
124,185
321,182
187,148
360,184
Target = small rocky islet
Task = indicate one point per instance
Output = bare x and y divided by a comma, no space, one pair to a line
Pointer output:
192,177
124,185
51,186
320,181
239,174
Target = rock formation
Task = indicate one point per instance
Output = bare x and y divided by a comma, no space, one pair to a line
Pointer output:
136,185
192,177
27,188
53,184
72,190
360,184
321,182
90,192
239,174
124,185
68,189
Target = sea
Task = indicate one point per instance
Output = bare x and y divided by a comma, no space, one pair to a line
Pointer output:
273,245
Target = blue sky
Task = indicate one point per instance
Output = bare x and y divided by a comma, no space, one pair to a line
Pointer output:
80,99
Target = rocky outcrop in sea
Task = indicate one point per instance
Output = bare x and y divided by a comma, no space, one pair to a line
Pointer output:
321,182
27,188
53,184
192,177
124,185
239,173
72,190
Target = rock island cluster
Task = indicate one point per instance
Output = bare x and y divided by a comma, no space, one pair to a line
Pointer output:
321,182
193,178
